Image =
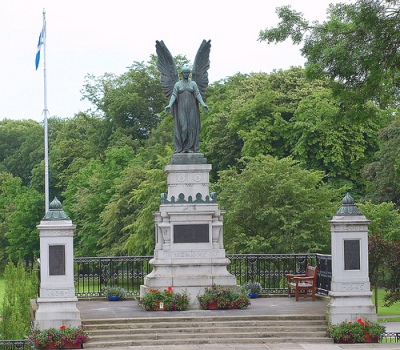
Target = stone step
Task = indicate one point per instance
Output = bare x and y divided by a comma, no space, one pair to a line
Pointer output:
190,326
158,318
190,341
205,330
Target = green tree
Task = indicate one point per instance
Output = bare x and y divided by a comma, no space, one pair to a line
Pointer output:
252,115
385,219
21,209
120,212
20,287
378,248
356,47
384,173
146,198
88,193
324,138
275,206
393,270
21,147
129,102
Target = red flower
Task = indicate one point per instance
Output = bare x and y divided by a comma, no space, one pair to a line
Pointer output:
63,327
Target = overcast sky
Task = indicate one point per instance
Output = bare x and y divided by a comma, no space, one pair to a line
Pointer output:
97,37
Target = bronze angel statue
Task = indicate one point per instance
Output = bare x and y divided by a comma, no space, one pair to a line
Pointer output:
185,95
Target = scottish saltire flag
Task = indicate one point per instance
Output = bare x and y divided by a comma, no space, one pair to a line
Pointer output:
39,46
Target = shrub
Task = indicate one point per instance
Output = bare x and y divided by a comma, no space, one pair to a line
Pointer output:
59,337
172,301
353,332
225,298
20,287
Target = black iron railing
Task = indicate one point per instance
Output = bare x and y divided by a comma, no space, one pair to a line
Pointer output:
390,337
15,344
92,274
270,270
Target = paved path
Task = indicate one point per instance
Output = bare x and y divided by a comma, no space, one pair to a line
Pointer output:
103,309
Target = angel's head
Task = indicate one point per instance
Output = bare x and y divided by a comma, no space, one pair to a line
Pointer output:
185,71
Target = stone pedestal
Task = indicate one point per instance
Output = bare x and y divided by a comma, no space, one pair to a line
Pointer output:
351,296
189,253
57,300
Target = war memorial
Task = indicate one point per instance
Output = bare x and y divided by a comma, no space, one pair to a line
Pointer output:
189,252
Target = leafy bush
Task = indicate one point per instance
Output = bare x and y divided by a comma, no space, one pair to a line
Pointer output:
59,337
225,298
354,332
172,301
20,286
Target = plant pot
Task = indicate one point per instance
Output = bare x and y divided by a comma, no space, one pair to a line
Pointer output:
113,297
369,339
160,306
253,295
213,306
68,345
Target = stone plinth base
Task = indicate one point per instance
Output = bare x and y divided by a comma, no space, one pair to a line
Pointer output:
350,307
56,312
188,271
189,254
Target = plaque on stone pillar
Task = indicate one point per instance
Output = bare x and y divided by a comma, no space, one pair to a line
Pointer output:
352,254
191,233
57,260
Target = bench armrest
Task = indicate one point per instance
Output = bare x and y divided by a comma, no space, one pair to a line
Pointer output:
308,278
290,276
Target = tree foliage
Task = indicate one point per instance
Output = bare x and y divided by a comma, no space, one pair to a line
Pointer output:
274,206
129,102
278,143
20,287
325,138
20,211
21,147
384,173
356,47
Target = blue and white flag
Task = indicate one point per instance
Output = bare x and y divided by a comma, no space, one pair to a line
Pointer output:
39,46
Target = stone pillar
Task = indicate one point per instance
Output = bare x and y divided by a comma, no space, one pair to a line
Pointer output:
350,295
57,300
189,254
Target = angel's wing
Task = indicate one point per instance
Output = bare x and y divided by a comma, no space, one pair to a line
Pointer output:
201,65
166,66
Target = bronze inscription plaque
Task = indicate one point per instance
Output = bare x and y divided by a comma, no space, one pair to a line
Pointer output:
57,260
351,254
191,233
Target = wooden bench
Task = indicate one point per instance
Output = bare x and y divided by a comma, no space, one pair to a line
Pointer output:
303,283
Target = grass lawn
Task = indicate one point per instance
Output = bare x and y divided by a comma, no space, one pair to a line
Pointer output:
393,310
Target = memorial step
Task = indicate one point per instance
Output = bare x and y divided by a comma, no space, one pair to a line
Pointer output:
205,330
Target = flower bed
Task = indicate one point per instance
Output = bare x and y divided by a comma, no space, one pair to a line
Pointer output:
167,300
53,338
223,298
356,332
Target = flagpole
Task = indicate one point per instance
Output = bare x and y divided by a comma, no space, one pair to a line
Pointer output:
45,112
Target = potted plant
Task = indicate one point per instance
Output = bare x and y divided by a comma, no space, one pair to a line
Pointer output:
167,300
253,289
62,338
114,293
218,297
356,332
